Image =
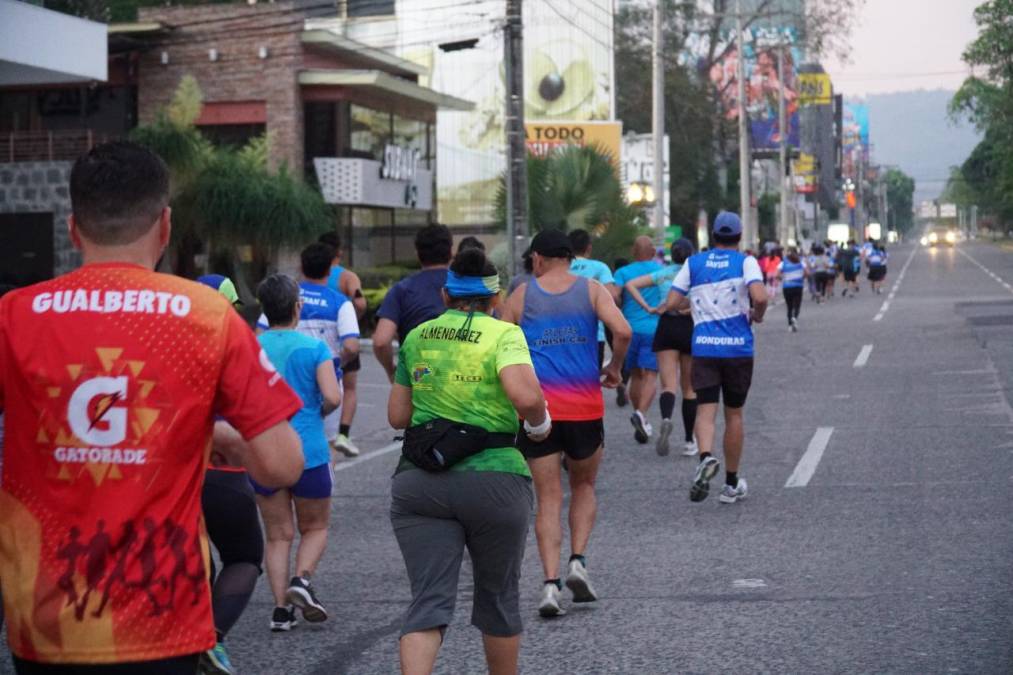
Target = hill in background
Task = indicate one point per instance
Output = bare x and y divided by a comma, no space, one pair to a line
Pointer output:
911,129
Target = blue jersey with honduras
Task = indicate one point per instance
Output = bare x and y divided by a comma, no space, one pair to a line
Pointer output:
792,274
640,320
597,270
717,283
296,357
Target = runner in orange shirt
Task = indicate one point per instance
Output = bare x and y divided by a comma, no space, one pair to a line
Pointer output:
110,378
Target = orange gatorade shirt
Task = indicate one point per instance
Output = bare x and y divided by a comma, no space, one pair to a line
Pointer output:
109,379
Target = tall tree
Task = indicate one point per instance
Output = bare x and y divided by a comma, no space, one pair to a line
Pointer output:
900,189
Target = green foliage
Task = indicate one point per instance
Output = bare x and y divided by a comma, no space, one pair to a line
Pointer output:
578,187
900,190
184,109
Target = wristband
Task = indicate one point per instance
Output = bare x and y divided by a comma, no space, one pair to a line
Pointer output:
541,429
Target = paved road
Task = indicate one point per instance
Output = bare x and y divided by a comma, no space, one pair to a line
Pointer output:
889,552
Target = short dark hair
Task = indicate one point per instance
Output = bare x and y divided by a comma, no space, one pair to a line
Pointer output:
580,241
117,192
316,260
470,242
727,239
332,239
434,245
278,295
471,262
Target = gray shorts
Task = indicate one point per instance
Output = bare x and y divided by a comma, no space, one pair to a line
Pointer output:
435,515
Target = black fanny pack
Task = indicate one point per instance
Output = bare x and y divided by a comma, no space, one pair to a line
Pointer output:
439,444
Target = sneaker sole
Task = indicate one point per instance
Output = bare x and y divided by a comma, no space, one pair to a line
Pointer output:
581,589
662,446
300,598
701,485
209,665
282,627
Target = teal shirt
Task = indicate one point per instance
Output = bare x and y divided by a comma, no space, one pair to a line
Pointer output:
597,270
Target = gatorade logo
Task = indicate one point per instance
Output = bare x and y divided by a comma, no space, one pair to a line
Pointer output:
95,412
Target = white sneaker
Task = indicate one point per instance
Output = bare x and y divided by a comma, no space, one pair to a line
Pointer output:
342,444
730,495
690,448
661,447
641,428
579,583
549,606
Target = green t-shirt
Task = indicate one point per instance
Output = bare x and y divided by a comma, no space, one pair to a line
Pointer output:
455,375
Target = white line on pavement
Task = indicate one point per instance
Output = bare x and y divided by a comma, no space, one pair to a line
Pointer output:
385,450
987,271
896,285
806,466
863,356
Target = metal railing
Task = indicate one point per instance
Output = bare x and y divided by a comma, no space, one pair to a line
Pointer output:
40,146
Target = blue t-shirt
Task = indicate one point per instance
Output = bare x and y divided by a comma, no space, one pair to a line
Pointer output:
792,274
597,270
717,283
335,277
296,357
414,300
641,321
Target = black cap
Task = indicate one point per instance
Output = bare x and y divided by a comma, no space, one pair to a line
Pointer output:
552,243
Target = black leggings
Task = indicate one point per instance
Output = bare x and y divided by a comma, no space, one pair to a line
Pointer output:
793,299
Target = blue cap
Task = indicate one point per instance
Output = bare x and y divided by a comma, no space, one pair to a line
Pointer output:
727,223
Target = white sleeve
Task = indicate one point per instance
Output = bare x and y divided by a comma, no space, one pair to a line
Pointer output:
262,322
681,281
751,271
348,324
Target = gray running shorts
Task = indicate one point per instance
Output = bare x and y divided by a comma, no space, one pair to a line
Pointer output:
435,515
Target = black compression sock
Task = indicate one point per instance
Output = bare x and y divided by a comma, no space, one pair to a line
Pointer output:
557,582
704,455
667,403
732,478
689,417
581,558
344,429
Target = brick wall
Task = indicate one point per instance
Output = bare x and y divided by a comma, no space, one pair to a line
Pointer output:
237,31
42,187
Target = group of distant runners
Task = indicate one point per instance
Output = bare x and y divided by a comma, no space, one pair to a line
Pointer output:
142,412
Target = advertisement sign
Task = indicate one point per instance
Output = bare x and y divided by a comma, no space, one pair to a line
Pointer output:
366,182
542,137
806,173
814,89
854,137
947,210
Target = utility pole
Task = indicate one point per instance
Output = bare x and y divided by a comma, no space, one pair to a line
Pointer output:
658,126
517,174
744,177
783,127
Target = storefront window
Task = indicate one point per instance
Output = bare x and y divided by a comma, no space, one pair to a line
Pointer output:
370,131
411,134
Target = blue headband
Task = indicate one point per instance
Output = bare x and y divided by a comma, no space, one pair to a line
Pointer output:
466,287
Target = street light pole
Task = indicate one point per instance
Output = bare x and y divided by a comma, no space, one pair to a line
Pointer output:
744,177
516,174
658,126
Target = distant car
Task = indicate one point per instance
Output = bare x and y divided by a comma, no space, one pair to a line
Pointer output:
939,235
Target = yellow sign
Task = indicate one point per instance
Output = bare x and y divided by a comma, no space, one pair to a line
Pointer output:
804,169
544,137
814,89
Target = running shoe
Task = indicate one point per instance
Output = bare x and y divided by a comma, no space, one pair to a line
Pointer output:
343,445
662,445
794,325
730,495
690,448
579,583
283,619
216,661
549,606
705,470
641,429
621,399
300,593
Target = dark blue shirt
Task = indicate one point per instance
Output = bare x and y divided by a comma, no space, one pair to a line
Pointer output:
414,300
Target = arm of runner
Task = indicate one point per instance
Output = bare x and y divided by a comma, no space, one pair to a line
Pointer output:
521,386
327,381
633,287
383,345
399,404
678,295
780,271
757,293
622,334
351,286
348,332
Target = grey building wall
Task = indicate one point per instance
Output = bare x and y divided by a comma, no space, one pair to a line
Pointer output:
42,187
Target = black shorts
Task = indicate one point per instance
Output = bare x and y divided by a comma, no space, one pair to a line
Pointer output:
728,378
675,331
579,440
231,517
877,273
850,275
352,366
180,665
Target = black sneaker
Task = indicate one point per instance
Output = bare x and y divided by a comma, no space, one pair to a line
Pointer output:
283,619
705,470
300,593
641,433
621,399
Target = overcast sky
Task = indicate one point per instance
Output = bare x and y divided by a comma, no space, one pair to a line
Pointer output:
904,45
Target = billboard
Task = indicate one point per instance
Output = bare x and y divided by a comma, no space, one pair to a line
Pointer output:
542,137
854,137
814,89
568,78
806,173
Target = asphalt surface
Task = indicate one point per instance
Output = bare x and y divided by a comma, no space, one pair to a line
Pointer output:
893,553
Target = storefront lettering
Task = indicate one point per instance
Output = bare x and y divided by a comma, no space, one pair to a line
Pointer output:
399,163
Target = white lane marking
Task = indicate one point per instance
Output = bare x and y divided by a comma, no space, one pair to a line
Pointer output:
863,356
896,286
749,583
806,466
987,271
385,450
